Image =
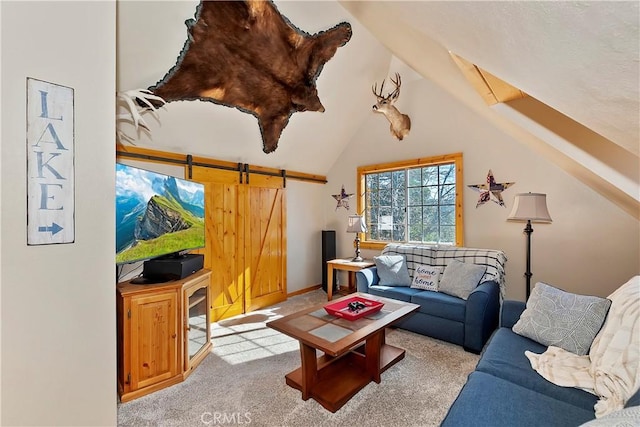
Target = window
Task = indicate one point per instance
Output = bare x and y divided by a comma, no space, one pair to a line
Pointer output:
412,201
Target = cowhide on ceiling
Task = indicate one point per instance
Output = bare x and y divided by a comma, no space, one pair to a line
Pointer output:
245,54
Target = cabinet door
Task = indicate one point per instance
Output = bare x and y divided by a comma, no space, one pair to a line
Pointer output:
154,338
197,339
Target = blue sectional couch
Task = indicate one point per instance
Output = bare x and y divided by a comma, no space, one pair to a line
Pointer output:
505,391
468,323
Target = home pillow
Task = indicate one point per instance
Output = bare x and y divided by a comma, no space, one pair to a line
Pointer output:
392,270
460,279
426,277
562,319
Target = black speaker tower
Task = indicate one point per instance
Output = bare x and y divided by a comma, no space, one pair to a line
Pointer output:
328,253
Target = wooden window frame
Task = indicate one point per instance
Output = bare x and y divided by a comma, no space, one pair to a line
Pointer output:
455,158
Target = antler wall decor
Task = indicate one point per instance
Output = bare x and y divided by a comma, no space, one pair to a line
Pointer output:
135,103
400,123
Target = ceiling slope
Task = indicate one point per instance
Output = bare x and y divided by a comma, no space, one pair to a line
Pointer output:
578,58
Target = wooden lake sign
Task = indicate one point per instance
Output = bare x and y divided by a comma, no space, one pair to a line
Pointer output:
50,163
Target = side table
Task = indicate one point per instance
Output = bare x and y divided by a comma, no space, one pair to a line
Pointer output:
346,265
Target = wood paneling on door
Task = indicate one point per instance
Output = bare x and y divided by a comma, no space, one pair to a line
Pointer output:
223,254
245,240
265,243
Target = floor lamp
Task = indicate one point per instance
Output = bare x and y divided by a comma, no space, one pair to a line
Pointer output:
357,225
530,207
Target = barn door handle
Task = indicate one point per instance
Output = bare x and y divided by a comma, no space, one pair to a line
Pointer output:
189,166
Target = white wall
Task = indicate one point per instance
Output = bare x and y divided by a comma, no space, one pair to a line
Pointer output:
591,247
306,203
58,301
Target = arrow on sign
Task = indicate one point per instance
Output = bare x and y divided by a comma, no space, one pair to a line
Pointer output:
55,228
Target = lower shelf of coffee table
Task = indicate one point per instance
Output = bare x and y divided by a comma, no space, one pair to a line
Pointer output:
339,379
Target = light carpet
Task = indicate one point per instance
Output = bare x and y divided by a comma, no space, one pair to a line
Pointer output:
242,382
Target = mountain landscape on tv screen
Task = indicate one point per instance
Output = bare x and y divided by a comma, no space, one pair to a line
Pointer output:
156,215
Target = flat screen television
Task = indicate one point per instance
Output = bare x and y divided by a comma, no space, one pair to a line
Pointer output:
156,215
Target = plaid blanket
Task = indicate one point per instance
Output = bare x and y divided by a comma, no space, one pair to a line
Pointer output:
436,255
611,370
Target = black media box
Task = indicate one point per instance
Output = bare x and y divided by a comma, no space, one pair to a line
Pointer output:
172,268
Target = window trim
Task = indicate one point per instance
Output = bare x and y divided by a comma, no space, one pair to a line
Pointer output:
456,158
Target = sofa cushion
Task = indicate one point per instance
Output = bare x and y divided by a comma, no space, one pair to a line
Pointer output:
392,270
510,312
440,305
426,277
415,254
504,357
401,293
494,260
562,319
434,326
441,255
634,400
488,401
460,279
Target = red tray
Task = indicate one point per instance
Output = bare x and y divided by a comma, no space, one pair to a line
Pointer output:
341,308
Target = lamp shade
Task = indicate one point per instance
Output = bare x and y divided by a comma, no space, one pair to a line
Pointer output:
530,207
356,224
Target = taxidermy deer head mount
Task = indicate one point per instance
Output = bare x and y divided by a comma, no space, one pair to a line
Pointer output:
400,123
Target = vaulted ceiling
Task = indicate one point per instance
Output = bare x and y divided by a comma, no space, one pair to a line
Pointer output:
579,62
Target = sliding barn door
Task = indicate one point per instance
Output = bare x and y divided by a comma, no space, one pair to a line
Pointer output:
265,242
223,252
245,240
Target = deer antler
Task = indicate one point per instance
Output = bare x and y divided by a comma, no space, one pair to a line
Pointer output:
375,86
397,82
135,102
393,94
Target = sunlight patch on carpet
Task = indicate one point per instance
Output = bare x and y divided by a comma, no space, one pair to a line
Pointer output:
246,337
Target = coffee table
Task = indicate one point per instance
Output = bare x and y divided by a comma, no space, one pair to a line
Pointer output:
354,351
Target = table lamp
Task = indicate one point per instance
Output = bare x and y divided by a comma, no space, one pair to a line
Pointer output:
357,225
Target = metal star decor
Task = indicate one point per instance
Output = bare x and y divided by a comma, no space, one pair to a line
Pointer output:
491,188
342,198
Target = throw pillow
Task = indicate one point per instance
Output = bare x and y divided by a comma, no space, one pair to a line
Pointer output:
426,277
629,416
392,270
460,279
562,319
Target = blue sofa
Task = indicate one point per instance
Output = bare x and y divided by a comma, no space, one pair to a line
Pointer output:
467,323
505,391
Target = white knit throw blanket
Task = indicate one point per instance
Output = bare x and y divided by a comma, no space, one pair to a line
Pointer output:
611,370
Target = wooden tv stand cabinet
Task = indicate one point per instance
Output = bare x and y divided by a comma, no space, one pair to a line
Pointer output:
163,332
